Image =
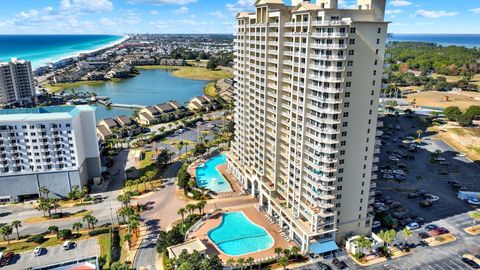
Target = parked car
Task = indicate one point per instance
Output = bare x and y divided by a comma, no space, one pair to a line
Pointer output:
425,204
339,264
431,198
430,227
423,235
419,220
412,226
474,201
376,224
471,263
68,245
323,266
461,155
38,251
443,173
446,163
440,159
6,258
412,195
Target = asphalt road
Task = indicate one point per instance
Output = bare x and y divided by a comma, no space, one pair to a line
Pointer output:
53,255
162,208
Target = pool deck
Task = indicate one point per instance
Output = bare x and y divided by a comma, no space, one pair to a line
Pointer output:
256,218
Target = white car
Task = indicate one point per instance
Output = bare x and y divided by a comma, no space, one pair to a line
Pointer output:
440,159
474,201
431,198
393,158
38,251
461,155
412,226
376,224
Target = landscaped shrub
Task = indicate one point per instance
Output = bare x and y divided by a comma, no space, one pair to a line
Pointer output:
64,234
38,239
98,232
116,248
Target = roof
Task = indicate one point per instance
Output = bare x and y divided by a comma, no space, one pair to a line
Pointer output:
152,109
43,113
322,247
164,107
123,120
189,246
104,131
147,116
109,122
175,104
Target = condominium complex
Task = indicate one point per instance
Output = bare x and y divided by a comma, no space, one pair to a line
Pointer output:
16,82
308,83
55,147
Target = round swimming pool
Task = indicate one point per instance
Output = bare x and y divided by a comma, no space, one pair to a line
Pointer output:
237,235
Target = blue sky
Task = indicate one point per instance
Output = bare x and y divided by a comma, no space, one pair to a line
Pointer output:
207,16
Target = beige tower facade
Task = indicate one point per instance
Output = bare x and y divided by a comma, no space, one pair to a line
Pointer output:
308,83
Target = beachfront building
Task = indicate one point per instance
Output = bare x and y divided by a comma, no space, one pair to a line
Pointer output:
160,113
308,81
203,103
54,147
16,83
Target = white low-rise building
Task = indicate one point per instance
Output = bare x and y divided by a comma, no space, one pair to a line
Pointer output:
54,147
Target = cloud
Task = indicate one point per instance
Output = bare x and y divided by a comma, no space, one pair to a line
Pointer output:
435,13
107,22
393,11
475,10
153,12
86,5
168,2
400,3
181,10
424,23
241,5
399,24
218,14
347,4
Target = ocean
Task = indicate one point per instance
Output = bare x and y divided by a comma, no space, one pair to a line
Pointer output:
41,49
469,41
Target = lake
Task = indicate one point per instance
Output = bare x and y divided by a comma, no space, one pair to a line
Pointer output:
150,87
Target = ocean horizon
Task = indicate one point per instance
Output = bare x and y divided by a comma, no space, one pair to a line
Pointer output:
466,40
42,49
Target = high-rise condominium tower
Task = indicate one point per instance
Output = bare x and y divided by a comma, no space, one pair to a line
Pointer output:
16,82
309,78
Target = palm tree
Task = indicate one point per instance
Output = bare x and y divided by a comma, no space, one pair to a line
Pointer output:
119,266
287,253
91,221
17,224
231,263
283,261
43,192
295,251
250,261
475,215
240,262
77,226
6,231
143,179
128,237
150,175
201,206
53,229
387,236
407,234
191,208
278,251
363,243
179,147
133,223
181,212
137,182
419,133
124,199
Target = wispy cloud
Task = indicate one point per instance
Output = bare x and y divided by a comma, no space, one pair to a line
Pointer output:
160,2
86,5
435,13
218,14
241,5
475,10
400,3
181,10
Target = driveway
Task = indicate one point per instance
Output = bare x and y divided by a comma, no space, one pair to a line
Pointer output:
162,208
53,255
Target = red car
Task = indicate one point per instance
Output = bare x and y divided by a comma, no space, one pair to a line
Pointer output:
6,258
438,231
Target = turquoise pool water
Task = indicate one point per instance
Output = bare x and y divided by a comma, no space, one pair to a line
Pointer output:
237,235
209,177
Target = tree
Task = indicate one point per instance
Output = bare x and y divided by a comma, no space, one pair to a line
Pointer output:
241,262
212,63
278,251
91,221
128,237
473,111
231,263
250,261
125,199
407,233
465,120
179,147
6,231
190,208
387,236
283,261
53,229
43,192
419,133
475,215
181,212
295,251
119,266
287,253
363,243
201,206
17,224
77,226
452,113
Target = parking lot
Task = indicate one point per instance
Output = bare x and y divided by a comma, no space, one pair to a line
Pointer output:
421,174
445,257
52,255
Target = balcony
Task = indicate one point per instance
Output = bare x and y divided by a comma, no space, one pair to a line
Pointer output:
330,23
325,90
327,68
325,100
329,79
329,35
328,46
329,57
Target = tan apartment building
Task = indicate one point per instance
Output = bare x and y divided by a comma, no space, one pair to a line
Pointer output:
308,83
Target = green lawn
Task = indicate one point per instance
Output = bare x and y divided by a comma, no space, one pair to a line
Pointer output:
194,73
56,87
